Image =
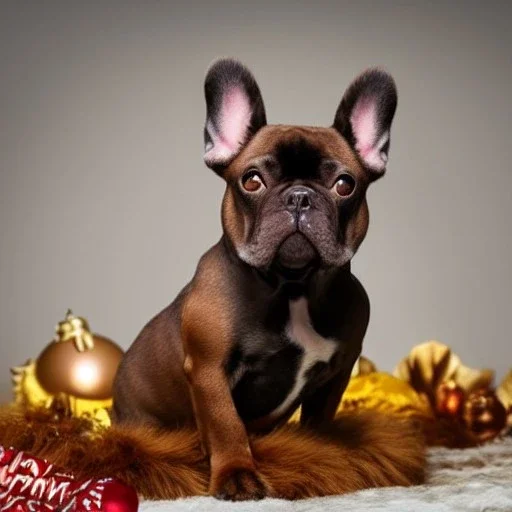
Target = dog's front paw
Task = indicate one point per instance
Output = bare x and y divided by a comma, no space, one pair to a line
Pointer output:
238,484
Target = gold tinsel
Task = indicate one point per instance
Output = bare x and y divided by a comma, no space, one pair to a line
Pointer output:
382,392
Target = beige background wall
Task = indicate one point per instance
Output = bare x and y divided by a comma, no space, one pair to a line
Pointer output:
105,205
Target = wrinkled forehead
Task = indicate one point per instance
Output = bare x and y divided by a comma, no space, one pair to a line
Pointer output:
299,151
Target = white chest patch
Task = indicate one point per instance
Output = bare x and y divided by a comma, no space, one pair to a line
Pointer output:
316,349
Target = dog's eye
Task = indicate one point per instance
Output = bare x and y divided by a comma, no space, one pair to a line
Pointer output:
345,185
252,181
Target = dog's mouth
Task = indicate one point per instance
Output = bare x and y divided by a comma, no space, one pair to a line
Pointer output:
295,256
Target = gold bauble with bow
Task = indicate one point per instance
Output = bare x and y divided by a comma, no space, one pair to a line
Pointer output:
73,375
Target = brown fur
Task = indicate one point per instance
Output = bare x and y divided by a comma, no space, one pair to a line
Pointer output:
331,145
328,141
206,340
356,452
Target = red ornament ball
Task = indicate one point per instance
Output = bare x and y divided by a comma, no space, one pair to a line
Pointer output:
450,400
119,498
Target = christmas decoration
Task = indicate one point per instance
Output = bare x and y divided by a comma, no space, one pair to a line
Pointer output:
28,393
430,364
31,484
73,375
449,399
86,364
384,393
504,394
504,391
484,415
468,409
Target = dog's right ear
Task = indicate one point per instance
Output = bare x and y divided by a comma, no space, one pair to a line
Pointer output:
234,112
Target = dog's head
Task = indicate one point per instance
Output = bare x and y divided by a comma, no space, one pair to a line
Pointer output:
295,195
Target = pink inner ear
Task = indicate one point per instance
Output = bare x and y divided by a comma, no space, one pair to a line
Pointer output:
234,120
364,127
235,117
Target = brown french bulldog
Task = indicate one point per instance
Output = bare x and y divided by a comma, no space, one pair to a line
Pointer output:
273,317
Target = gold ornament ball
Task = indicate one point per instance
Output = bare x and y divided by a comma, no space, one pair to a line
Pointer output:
484,415
78,363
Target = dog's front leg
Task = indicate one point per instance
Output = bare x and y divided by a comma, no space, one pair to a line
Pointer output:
320,408
223,434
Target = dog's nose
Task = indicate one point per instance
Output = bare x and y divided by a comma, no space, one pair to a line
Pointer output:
298,198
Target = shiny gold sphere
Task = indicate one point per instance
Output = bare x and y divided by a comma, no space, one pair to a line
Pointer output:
484,414
62,368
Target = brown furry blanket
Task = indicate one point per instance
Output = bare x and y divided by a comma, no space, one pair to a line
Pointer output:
356,452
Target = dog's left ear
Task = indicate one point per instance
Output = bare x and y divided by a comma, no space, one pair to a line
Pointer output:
364,117
234,112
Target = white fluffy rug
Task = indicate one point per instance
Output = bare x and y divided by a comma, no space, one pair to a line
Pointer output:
476,479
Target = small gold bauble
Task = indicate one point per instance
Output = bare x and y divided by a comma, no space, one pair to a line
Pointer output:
77,362
484,415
